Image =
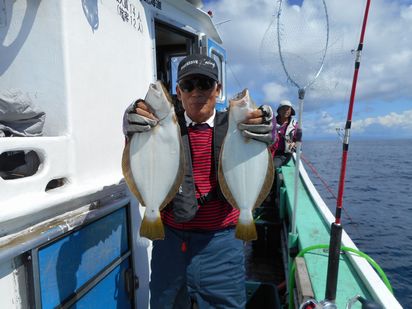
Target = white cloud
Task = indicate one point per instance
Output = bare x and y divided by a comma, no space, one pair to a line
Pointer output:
392,120
407,13
386,62
392,124
273,92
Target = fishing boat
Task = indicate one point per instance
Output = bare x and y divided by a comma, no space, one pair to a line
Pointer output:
68,224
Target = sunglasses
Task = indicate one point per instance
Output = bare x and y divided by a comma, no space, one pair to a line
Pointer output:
200,83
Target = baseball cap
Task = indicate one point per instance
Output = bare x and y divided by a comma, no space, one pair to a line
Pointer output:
198,64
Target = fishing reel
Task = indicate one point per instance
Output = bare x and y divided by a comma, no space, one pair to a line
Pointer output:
314,304
325,304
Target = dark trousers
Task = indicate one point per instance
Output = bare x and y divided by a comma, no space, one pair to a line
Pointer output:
209,271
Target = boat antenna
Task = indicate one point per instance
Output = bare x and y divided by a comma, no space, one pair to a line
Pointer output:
302,43
336,227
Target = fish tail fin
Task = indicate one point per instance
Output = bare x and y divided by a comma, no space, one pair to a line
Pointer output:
245,228
152,228
246,231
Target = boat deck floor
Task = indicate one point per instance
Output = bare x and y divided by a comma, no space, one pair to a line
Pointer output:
263,258
263,267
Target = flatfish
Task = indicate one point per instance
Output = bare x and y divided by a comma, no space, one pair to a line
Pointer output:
245,168
153,162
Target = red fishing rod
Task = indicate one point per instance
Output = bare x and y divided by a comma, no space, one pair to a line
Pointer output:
336,227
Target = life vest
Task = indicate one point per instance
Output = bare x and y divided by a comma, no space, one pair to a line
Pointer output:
185,203
287,138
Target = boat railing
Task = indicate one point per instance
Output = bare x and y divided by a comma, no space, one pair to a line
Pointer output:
369,277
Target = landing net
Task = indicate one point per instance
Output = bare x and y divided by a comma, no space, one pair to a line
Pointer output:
301,40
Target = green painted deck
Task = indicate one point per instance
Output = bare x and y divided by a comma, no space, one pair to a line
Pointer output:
313,230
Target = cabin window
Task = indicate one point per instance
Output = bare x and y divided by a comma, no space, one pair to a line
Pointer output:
65,272
219,55
174,61
220,64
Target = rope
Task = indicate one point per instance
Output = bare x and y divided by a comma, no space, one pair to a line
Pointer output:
313,169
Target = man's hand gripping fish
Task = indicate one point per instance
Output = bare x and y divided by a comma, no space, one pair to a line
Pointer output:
245,169
153,162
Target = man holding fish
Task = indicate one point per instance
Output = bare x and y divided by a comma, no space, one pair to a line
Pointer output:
199,260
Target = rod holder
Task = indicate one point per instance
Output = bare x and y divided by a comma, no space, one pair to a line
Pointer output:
333,262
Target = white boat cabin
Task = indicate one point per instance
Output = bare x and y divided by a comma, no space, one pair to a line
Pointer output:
68,70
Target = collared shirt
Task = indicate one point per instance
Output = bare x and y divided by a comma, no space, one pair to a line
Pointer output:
210,121
215,214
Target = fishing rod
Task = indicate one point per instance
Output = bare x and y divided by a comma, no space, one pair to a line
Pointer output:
336,227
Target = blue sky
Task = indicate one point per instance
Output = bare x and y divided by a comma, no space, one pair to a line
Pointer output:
383,104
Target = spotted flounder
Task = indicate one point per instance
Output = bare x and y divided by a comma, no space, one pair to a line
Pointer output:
153,162
246,168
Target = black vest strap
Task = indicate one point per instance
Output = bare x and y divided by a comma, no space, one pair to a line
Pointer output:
185,203
221,125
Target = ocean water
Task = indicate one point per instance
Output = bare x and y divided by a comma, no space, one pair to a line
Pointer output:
377,202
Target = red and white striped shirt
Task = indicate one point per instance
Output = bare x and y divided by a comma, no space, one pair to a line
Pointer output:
213,215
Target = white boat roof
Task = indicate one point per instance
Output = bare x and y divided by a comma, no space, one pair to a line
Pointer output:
203,17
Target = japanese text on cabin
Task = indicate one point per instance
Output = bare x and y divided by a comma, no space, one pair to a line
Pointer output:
130,14
156,3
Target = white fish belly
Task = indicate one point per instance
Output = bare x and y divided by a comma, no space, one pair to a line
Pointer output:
155,162
244,166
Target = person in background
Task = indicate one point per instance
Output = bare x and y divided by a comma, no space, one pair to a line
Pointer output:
284,130
200,261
